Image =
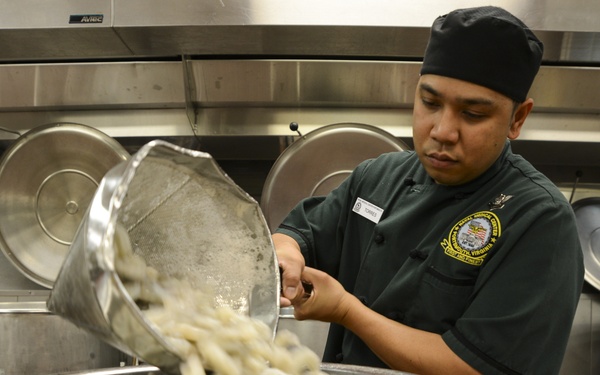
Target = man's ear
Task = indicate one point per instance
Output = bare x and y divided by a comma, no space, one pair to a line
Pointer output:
519,117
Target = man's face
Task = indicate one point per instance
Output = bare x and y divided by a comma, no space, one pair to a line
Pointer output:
459,128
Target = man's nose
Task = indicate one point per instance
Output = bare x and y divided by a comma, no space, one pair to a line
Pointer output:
446,128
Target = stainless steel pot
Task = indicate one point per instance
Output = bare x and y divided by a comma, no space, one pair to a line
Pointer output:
47,179
188,220
311,333
318,162
34,341
587,214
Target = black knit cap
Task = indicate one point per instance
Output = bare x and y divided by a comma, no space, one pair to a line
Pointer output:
487,46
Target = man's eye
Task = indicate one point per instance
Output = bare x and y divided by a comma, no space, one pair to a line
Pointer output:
473,115
429,103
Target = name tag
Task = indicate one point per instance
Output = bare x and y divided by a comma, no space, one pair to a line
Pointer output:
367,210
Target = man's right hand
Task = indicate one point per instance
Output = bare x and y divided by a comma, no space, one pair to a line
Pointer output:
291,264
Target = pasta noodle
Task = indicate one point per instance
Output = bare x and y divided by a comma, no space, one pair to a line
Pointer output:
206,337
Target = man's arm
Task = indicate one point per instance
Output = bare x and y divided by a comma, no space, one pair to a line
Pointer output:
399,346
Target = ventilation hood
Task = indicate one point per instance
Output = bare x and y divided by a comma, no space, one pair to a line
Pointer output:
39,30
250,67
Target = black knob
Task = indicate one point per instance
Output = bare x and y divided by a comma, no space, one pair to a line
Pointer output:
294,128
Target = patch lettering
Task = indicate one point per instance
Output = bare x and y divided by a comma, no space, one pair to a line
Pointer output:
471,238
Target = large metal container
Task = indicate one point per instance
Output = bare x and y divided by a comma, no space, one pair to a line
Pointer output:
34,341
47,178
318,162
311,333
188,220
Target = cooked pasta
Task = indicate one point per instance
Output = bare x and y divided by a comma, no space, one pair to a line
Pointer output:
206,337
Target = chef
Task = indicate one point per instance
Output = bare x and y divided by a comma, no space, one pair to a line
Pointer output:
459,256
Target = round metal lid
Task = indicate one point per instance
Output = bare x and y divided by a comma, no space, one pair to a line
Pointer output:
318,162
47,179
587,214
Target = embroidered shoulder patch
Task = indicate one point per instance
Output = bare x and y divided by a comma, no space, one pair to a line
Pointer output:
471,238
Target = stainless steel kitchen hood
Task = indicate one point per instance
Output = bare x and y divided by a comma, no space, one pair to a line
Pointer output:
253,66
39,30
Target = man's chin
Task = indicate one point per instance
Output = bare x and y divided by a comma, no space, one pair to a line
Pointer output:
441,178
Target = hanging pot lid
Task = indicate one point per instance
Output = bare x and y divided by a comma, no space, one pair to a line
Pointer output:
48,177
587,214
318,162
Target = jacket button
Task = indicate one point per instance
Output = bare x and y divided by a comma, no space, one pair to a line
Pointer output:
339,357
363,300
379,238
417,254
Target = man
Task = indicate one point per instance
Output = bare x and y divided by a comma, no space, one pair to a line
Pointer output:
458,257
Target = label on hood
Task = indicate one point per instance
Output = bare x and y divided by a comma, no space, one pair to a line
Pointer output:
86,18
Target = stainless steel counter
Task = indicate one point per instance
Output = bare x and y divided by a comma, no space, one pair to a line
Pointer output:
328,368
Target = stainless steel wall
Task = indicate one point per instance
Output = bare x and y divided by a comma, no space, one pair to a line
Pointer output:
261,97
